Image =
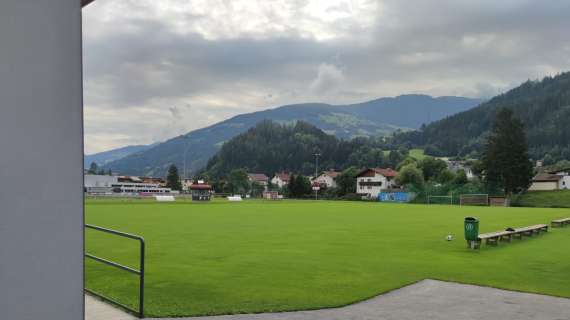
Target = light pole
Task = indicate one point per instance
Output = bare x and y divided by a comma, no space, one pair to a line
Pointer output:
186,148
317,155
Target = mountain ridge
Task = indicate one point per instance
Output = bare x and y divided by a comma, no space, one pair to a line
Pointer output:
378,117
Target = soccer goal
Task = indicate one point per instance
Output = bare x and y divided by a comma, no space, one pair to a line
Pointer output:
474,199
440,199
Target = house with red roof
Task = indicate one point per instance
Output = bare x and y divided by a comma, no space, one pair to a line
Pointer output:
281,179
259,178
327,179
370,182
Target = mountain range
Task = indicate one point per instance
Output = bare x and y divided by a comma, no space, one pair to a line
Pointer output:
380,117
105,157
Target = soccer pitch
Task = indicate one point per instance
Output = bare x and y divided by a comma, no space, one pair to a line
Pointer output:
259,256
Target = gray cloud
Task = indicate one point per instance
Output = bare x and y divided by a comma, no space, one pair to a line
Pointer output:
146,61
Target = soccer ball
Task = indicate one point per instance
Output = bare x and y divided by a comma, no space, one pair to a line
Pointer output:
449,237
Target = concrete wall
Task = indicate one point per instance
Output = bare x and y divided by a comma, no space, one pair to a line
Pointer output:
41,167
543,186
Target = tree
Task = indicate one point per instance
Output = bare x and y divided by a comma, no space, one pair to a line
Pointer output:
431,167
460,178
346,182
109,172
394,158
445,176
506,163
238,181
257,190
410,175
93,168
299,186
173,179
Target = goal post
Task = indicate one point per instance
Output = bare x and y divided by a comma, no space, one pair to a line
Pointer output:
474,199
440,199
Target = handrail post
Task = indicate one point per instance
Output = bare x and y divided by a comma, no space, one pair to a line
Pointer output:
141,280
140,272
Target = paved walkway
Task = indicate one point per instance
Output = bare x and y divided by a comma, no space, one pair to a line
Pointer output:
96,309
428,299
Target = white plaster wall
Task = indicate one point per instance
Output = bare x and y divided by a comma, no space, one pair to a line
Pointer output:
41,160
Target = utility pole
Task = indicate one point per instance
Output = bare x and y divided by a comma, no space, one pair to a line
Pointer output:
317,155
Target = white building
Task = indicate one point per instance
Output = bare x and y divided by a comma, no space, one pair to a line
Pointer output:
457,165
281,179
372,181
99,184
259,178
556,180
327,179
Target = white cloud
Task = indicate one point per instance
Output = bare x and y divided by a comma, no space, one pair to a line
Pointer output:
146,61
329,79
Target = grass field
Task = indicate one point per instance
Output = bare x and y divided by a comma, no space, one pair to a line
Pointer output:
553,199
258,256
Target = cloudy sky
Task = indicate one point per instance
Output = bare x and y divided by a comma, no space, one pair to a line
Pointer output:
157,69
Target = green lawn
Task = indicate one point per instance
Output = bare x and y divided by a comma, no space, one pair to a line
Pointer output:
553,199
417,153
257,256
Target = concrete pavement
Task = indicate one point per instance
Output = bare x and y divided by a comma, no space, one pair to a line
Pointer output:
427,299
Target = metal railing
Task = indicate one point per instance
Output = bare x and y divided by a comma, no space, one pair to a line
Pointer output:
139,272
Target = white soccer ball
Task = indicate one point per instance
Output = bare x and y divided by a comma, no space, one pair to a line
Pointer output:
449,237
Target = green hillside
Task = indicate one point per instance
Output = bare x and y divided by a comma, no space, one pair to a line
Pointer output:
271,147
374,118
543,106
545,199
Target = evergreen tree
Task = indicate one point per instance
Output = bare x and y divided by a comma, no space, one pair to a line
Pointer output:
238,181
506,162
93,168
173,179
292,186
346,181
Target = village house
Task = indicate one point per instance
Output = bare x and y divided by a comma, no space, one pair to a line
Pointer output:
281,179
327,179
553,180
260,179
370,182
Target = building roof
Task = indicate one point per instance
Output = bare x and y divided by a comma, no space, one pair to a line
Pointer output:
331,173
259,177
388,172
546,177
200,186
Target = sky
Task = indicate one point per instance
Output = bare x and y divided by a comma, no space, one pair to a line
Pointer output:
157,69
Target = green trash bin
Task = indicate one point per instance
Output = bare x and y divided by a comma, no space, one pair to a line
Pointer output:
471,228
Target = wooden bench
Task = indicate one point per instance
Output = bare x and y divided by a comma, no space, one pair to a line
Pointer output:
493,238
560,222
530,230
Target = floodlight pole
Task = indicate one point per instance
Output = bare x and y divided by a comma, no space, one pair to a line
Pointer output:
186,148
317,155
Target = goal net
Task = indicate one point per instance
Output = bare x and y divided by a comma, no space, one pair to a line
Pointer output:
440,200
474,200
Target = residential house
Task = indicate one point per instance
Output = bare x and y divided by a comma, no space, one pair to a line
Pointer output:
458,165
370,182
553,180
281,179
327,179
260,179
